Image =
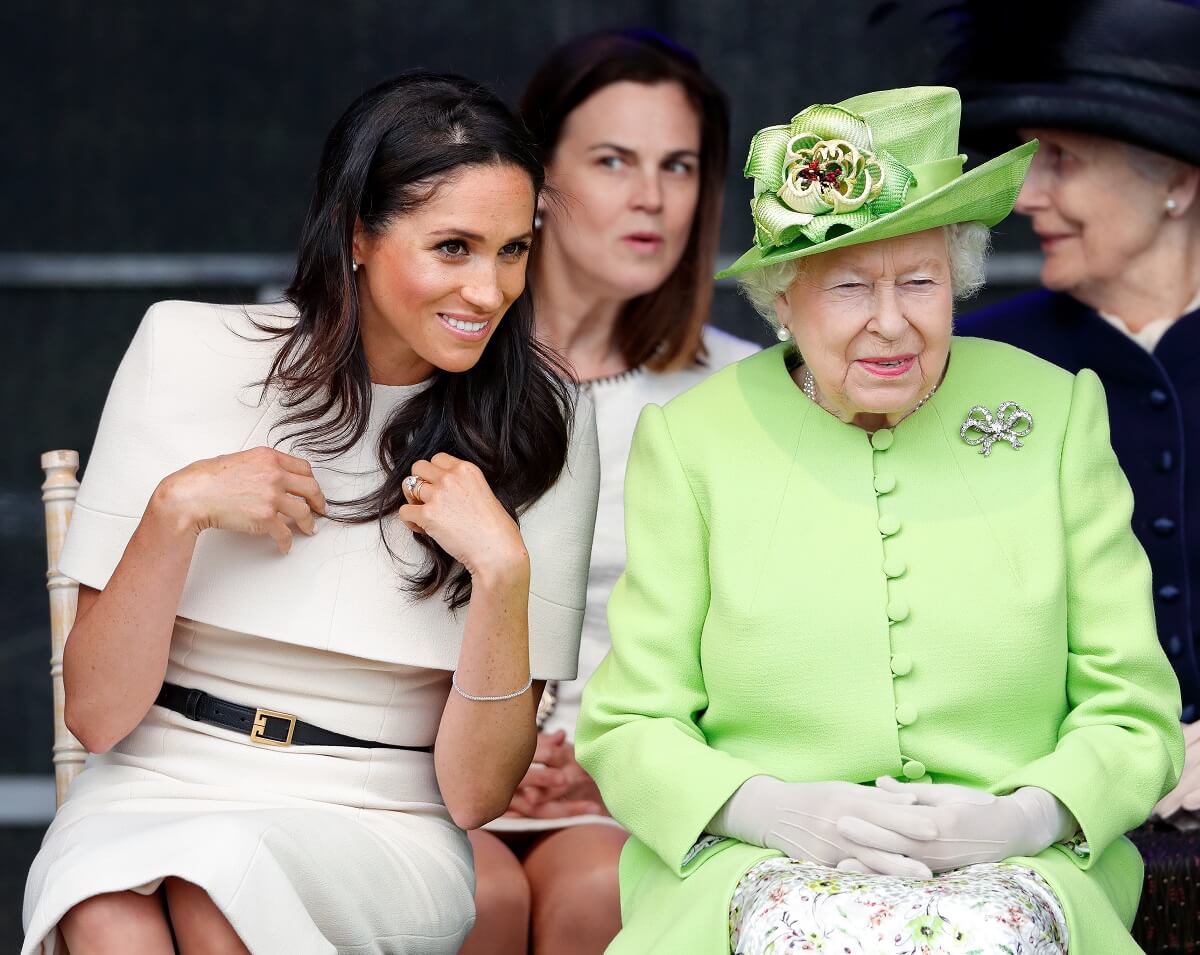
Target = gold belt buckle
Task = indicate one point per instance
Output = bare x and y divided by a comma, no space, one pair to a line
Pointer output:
260,727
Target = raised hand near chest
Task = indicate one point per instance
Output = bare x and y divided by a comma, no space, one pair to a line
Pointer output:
259,491
450,500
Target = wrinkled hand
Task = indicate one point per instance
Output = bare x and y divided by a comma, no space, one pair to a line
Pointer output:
260,491
802,821
458,510
972,826
556,786
1185,797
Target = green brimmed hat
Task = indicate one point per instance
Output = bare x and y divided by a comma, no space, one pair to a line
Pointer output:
871,167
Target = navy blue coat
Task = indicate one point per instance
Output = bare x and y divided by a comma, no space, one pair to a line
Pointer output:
1154,410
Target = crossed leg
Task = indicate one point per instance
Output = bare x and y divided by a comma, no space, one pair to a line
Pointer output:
117,923
200,928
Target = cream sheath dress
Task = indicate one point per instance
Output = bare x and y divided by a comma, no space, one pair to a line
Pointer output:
304,849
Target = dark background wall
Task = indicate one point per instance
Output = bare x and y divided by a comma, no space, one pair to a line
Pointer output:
147,128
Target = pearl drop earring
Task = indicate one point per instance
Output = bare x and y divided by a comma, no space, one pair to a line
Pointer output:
353,266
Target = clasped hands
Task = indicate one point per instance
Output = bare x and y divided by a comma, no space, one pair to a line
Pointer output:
555,786
911,830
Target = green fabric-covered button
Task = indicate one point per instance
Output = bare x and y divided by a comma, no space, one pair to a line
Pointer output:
914,769
882,439
885,483
902,664
889,524
897,610
894,567
906,714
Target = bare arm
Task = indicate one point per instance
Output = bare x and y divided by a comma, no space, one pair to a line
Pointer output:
116,655
483,748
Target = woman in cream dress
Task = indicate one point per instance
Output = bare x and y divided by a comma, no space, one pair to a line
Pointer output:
314,540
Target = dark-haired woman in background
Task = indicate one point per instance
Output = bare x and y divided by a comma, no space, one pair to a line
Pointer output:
262,700
635,138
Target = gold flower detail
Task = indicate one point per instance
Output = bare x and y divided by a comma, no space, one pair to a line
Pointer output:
828,176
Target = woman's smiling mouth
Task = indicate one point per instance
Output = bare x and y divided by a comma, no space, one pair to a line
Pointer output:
888,367
463,327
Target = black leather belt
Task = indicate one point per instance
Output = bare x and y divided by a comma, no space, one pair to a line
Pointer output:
268,727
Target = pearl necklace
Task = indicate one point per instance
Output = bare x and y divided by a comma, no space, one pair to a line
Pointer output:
809,387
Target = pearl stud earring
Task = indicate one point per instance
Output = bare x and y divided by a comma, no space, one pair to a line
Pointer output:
1171,205
783,333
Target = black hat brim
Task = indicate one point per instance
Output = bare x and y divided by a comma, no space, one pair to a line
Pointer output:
992,115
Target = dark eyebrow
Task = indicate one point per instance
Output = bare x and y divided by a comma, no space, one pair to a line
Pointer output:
476,237
626,151
623,150
459,234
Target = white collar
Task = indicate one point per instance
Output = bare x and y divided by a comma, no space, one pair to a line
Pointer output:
1150,334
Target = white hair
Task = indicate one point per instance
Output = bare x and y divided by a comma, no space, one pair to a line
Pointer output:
967,244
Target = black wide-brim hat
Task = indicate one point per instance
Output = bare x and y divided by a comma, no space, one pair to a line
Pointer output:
1125,69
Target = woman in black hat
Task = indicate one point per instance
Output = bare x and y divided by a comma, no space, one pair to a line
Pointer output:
1112,91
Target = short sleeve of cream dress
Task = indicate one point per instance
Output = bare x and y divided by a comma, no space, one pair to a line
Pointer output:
304,849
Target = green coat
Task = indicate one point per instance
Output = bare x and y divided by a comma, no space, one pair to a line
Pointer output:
805,601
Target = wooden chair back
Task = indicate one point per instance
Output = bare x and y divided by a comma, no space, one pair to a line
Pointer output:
58,495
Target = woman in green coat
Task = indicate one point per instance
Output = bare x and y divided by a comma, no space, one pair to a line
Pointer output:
884,674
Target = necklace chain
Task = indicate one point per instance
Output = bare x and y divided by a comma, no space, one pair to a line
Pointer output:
809,387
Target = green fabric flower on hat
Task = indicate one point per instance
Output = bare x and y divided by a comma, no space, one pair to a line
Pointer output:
819,172
828,175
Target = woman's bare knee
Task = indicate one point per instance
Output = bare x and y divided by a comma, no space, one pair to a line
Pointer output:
200,927
502,900
576,899
117,923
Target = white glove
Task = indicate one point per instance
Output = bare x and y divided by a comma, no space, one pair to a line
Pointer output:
801,820
1185,797
973,826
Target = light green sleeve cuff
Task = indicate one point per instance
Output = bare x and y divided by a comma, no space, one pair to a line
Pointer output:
637,734
1120,747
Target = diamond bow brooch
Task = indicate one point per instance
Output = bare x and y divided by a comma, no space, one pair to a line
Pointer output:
1010,423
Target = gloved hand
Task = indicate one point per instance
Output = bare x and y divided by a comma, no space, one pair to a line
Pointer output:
1185,797
801,820
973,826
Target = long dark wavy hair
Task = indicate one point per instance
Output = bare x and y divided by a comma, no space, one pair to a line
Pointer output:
661,329
511,413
